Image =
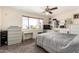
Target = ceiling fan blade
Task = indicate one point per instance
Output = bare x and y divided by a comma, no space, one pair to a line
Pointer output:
54,8
50,12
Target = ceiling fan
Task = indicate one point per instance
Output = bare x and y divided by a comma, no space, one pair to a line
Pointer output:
49,9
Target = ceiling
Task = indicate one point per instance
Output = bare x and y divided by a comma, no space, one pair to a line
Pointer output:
39,9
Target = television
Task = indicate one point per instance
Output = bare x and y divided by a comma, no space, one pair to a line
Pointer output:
46,27
62,26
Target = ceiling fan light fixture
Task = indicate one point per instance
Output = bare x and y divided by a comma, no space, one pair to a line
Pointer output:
46,13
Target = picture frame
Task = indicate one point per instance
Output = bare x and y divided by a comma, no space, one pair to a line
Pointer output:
76,16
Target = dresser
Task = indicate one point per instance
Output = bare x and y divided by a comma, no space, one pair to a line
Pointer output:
74,29
14,35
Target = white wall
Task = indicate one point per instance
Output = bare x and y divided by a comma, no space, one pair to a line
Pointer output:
12,17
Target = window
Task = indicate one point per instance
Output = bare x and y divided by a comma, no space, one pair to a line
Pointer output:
25,24
31,23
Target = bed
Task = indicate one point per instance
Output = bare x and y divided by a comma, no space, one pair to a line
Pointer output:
58,42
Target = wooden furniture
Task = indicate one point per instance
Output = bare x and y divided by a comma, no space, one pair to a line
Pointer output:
74,29
14,35
30,33
27,35
3,38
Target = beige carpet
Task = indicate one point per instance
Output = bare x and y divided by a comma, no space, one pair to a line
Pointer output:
27,46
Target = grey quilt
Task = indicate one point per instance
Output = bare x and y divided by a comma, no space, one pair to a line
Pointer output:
59,42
